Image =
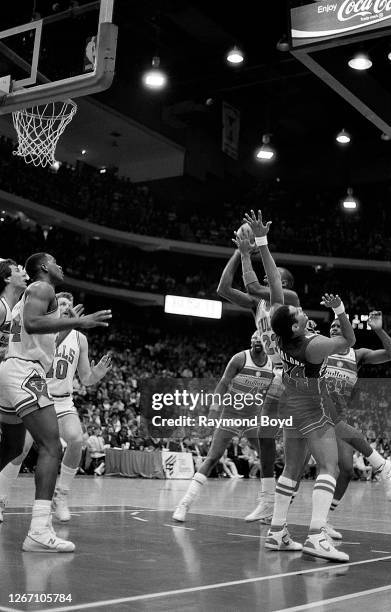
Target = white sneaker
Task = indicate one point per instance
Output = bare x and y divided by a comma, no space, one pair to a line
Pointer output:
385,476
264,511
281,540
333,533
46,541
320,545
3,503
60,506
180,512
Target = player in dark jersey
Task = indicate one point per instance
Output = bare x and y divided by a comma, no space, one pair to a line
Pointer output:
258,301
341,375
307,402
247,373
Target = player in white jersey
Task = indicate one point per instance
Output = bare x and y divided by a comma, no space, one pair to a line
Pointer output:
341,375
258,301
13,282
24,397
247,373
71,357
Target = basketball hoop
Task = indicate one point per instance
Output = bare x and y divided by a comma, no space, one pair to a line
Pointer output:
39,129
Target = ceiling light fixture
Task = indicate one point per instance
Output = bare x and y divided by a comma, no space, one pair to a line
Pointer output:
235,56
343,137
155,78
360,61
265,152
283,44
349,202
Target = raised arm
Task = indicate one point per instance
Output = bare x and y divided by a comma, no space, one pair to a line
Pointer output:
89,373
321,346
253,286
373,357
273,276
226,290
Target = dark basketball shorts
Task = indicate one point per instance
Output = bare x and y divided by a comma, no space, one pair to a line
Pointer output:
308,412
23,389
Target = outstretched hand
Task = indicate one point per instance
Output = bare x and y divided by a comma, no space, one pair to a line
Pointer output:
243,244
103,366
375,320
331,301
256,224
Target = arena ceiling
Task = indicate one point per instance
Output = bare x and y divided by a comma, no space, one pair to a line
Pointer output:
273,90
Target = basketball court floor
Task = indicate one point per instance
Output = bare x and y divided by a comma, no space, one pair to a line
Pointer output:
131,556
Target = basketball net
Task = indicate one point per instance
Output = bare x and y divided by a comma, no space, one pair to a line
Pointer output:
39,129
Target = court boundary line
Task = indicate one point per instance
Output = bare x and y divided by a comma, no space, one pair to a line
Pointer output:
147,509
332,600
208,587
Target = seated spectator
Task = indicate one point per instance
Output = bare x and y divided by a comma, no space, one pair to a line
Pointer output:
234,452
96,446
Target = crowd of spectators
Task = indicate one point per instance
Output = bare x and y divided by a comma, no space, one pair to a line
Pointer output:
308,223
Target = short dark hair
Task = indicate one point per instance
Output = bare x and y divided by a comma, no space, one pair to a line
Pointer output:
5,272
65,295
287,277
282,321
34,263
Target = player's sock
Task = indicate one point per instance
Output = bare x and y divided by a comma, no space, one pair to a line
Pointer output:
41,514
322,497
8,475
334,504
268,485
375,460
295,492
284,490
67,475
194,488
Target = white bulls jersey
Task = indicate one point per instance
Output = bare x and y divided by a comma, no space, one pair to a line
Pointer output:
5,329
31,347
268,337
61,374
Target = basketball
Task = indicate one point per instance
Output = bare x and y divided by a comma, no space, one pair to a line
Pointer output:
245,231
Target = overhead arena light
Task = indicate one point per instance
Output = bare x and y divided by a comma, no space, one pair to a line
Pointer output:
265,152
360,61
349,202
155,78
235,56
343,137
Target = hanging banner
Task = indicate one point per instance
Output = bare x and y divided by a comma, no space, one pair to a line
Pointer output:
333,18
231,130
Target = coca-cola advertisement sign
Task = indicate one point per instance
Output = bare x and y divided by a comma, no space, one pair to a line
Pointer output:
333,18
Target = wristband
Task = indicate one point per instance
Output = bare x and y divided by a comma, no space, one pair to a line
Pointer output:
340,309
261,240
249,277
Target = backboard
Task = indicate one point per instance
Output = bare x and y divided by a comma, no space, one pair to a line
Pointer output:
51,51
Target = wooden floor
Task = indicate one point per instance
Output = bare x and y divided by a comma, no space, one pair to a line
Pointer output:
131,556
